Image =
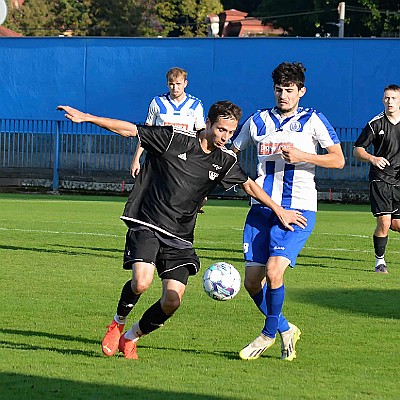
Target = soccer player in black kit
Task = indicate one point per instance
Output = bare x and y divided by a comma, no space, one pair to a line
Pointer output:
180,170
383,133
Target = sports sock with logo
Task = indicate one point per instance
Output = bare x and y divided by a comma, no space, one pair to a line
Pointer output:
380,248
153,318
127,300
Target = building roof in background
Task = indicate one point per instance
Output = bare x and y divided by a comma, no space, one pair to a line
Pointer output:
236,23
5,32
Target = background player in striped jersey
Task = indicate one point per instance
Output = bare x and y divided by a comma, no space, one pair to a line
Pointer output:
383,132
176,108
180,170
286,137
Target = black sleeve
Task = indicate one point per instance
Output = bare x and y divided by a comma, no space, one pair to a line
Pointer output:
235,176
366,137
155,139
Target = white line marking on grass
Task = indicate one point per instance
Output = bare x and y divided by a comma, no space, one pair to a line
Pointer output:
337,249
63,233
115,222
343,234
347,250
350,235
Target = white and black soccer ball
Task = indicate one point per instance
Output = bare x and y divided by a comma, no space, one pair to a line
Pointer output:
221,281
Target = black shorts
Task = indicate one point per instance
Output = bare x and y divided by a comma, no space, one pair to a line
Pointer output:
385,199
171,263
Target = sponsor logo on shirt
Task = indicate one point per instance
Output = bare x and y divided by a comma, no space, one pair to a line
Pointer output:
217,167
182,156
212,175
279,247
295,126
381,132
267,149
177,125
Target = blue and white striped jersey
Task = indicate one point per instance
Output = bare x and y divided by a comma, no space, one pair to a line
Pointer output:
187,115
289,185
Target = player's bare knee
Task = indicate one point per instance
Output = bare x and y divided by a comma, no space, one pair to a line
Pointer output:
170,303
274,278
252,286
382,226
395,225
139,287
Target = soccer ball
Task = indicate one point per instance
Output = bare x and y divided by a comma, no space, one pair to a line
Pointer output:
221,281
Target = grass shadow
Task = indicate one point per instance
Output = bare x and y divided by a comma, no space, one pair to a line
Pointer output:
231,355
56,251
21,386
379,303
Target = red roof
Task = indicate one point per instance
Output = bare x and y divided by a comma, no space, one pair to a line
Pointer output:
5,32
234,15
236,23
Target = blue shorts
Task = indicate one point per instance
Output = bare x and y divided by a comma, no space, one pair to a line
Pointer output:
264,236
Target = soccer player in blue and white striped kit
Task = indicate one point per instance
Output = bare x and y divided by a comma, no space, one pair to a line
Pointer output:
286,137
175,108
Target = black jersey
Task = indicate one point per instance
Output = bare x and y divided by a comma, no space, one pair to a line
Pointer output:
175,178
385,137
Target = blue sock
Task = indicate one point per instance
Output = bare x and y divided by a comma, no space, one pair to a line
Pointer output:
274,300
259,300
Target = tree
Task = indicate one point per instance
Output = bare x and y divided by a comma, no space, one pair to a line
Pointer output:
299,17
248,6
72,16
26,20
79,17
311,17
179,17
373,18
115,17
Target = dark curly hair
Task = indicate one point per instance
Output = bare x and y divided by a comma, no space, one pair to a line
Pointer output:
286,74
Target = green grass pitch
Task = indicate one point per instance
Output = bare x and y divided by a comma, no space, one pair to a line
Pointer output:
61,277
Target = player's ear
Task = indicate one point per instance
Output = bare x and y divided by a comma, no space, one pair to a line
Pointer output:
302,91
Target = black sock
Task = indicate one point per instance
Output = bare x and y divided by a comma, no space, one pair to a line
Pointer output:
153,318
127,300
380,245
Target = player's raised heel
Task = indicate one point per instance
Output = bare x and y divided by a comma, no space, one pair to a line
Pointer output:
381,269
289,340
254,349
128,347
109,345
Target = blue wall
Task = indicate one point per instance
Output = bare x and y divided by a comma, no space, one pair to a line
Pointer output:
117,77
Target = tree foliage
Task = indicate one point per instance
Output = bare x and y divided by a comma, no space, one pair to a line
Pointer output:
241,5
188,17
25,21
113,17
299,17
311,17
179,17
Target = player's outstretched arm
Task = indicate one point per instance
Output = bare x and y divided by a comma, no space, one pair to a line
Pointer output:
287,217
123,128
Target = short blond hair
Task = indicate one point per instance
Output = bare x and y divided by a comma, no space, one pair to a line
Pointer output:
176,72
